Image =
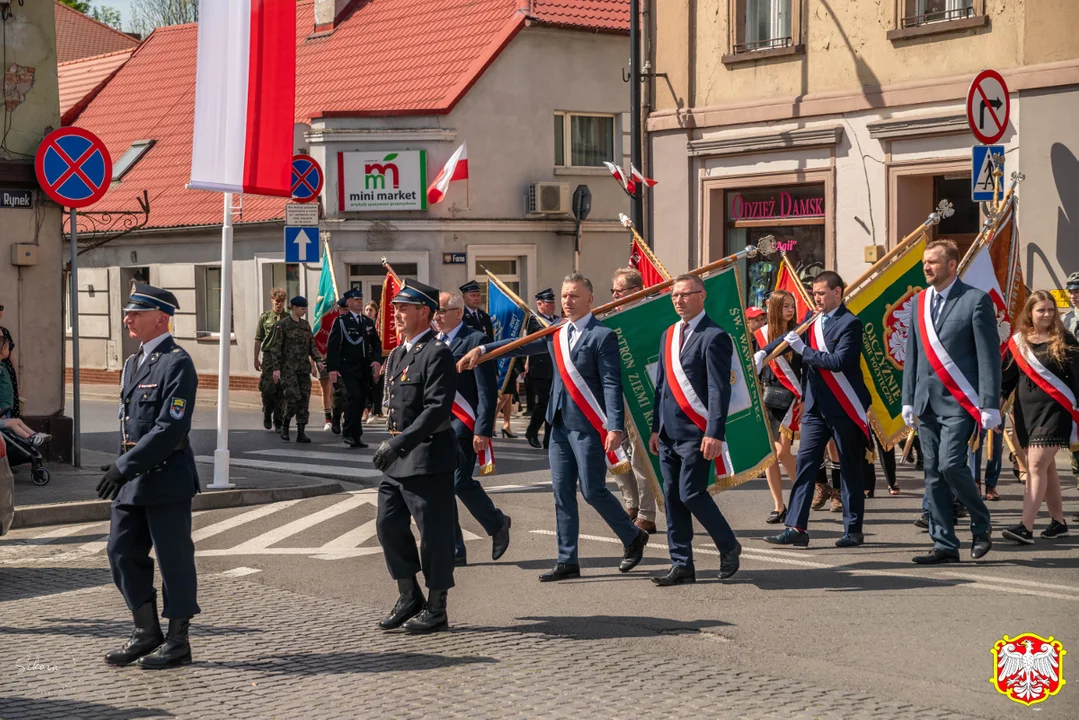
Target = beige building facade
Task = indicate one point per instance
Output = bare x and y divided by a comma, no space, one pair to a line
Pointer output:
839,124
31,261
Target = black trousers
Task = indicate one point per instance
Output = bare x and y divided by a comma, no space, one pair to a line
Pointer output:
430,501
167,528
542,388
357,385
471,493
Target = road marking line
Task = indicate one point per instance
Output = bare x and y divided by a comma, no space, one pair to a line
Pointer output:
353,538
60,532
266,539
344,456
240,572
513,488
341,471
1011,581
241,519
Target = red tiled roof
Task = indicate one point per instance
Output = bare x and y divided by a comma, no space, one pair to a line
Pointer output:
604,15
385,57
79,36
79,79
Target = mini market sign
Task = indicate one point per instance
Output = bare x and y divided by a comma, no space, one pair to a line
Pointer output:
382,180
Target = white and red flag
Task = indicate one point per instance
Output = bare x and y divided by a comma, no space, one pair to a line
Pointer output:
644,261
994,268
456,168
636,177
245,97
618,174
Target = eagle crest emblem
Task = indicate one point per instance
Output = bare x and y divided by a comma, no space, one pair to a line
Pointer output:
1028,668
897,326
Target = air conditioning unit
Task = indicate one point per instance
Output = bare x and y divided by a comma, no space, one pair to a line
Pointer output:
548,198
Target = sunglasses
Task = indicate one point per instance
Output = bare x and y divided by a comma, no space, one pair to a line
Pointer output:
1,308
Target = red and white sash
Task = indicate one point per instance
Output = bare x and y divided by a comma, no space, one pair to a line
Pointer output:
942,362
464,412
838,383
1053,386
617,462
686,396
788,379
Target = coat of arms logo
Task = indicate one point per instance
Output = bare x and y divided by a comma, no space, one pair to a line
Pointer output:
1028,668
897,326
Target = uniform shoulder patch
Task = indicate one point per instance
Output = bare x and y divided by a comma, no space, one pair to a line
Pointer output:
177,408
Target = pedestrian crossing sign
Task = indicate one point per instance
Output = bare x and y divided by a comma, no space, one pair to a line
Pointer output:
981,171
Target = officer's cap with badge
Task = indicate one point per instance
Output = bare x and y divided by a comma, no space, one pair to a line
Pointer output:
545,295
147,297
470,286
413,292
298,301
1073,281
355,292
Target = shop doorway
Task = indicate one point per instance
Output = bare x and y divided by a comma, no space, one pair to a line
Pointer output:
917,189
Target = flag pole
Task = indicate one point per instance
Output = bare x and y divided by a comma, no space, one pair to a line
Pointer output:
645,250
513,296
224,345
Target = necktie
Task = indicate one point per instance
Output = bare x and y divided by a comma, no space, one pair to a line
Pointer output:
824,320
938,300
571,335
443,337
682,334
142,357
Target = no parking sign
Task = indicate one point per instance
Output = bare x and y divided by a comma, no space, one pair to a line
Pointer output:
73,167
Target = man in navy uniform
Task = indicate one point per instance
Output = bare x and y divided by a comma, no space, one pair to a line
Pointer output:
835,406
151,485
418,462
541,371
581,450
475,316
354,354
688,429
477,396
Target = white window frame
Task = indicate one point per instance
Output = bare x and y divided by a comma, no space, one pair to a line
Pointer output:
200,301
525,255
130,158
567,137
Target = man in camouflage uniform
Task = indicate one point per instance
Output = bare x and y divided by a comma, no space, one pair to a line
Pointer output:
265,338
296,359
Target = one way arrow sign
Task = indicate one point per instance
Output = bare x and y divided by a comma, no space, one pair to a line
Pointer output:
302,244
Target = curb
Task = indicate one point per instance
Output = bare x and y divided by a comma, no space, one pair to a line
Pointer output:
96,510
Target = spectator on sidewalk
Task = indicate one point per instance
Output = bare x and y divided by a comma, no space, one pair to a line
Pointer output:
7,399
373,411
9,365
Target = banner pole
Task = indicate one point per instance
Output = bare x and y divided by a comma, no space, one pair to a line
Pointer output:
221,454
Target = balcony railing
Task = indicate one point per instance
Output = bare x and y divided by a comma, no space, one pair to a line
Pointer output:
938,16
770,44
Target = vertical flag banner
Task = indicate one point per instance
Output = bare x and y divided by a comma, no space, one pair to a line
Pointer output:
617,173
456,168
644,261
787,279
245,97
993,266
386,329
326,307
639,329
508,319
884,307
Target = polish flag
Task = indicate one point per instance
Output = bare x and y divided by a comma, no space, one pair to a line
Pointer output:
456,168
619,175
636,177
245,97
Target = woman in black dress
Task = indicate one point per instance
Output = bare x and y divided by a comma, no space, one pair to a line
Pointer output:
1042,424
778,399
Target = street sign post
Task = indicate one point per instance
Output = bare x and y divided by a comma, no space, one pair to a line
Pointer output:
981,171
302,244
988,107
302,214
74,169
307,178
582,205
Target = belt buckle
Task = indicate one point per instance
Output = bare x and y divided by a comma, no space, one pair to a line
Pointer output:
127,444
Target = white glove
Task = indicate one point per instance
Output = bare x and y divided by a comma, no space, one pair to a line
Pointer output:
795,341
990,419
758,359
908,415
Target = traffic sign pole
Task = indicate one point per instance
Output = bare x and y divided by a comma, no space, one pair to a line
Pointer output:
224,345
73,293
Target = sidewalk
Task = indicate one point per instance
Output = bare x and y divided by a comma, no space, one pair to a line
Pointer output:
245,399
71,494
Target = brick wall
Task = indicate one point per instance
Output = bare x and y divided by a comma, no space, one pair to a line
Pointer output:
91,376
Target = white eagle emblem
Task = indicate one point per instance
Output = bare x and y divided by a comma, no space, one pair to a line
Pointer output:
1027,673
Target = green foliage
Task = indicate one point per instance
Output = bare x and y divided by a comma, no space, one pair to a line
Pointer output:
79,5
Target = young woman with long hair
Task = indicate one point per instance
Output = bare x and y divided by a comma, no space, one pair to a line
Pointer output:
1042,367
778,399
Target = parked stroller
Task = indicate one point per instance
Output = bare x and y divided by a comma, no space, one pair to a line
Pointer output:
20,452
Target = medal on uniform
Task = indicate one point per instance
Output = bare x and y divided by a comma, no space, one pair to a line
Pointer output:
404,374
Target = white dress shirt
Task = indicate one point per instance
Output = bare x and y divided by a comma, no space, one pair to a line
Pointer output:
579,326
413,341
932,294
449,336
693,323
149,346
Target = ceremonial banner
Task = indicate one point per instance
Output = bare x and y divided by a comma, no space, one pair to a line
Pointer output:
508,319
884,307
992,265
639,329
326,307
787,279
646,263
386,329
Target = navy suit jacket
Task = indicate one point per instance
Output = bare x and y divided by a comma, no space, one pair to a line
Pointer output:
843,335
479,386
706,360
595,356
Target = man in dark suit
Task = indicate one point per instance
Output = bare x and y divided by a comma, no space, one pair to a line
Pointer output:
953,337
151,485
540,370
418,462
580,450
835,403
688,424
475,316
354,354
473,420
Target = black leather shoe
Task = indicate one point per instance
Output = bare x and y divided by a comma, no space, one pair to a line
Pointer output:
144,639
460,560
774,518
922,521
936,557
500,542
850,540
789,536
357,444
675,576
409,604
729,562
634,552
175,651
561,571
335,426
433,617
534,441
981,545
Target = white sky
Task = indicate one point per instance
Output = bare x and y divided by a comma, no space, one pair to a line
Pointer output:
124,6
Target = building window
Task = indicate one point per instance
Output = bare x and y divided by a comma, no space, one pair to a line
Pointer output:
208,289
922,12
281,275
761,25
368,277
583,140
508,270
131,156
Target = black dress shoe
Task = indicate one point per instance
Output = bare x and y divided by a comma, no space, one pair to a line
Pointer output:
675,576
729,562
357,444
175,651
460,560
936,557
634,552
774,517
789,536
335,427
433,617
922,521
534,441
144,639
409,604
981,545
561,571
501,540
850,540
